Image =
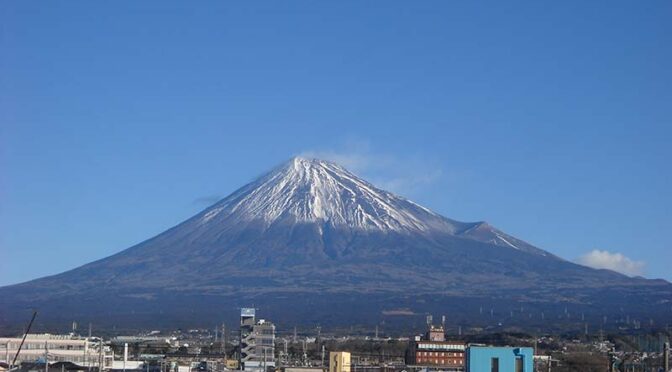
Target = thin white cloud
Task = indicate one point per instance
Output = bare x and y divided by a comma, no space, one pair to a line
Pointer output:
599,259
355,155
410,183
402,175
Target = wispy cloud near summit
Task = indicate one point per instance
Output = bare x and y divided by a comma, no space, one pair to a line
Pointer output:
405,175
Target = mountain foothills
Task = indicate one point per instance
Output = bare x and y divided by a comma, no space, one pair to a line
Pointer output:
310,242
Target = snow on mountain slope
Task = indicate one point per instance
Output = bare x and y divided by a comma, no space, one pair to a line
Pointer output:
325,195
312,190
485,233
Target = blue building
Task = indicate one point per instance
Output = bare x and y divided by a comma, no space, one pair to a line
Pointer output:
499,359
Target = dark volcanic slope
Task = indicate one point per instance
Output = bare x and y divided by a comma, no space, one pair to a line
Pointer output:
311,235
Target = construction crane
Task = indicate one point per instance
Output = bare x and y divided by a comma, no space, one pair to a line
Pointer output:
24,338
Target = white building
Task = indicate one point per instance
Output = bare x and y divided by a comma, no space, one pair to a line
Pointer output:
57,348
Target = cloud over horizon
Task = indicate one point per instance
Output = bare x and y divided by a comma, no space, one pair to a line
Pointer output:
603,259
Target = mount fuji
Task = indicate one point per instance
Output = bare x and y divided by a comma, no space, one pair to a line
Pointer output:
310,242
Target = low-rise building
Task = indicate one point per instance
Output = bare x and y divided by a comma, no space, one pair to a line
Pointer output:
232,364
302,369
56,348
433,352
444,355
499,359
339,361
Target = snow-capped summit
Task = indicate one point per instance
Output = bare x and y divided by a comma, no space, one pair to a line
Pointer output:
314,190
325,195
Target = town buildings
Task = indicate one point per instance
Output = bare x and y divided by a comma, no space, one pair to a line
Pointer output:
257,342
82,351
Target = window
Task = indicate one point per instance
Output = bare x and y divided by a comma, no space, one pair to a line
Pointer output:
519,364
494,365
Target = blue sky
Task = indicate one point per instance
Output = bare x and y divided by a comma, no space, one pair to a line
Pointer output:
550,120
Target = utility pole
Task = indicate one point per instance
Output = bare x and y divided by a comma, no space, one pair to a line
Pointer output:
46,356
125,355
286,354
666,356
612,361
100,356
224,339
534,348
305,355
322,363
550,360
